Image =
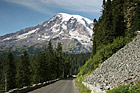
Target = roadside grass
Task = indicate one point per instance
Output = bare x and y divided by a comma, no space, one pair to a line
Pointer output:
127,88
80,86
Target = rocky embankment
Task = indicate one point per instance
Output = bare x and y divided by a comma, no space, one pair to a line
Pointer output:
122,67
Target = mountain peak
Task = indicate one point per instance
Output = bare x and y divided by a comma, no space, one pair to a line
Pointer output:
73,31
79,18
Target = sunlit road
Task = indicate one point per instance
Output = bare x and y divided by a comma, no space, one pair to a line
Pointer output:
62,86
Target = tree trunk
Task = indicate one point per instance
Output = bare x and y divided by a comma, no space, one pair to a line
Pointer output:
5,82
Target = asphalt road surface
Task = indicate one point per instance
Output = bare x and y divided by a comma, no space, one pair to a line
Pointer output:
61,86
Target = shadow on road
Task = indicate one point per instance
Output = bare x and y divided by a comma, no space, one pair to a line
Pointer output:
71,78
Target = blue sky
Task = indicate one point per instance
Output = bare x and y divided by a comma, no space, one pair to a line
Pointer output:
19,14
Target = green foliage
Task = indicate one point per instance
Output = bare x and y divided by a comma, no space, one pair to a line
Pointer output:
135,88
23,72
39,71
105,52
77,61
127,88
114,22
109,33
135,21
60,60
26,70
67,67
51,61
112,31
81,87
86,68
118,17
9,72
120,89
47,65
110,25
1,75
50,64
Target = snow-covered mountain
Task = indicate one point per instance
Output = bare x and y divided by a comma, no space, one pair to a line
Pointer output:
73,31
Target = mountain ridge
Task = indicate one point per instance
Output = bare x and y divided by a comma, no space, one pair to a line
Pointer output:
74,30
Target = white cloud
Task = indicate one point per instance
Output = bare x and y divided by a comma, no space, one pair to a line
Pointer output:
81,5
33,4
73,5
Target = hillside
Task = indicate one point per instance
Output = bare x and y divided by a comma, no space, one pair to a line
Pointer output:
122,67
115,28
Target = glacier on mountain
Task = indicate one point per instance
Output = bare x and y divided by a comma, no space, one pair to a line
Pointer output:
64,28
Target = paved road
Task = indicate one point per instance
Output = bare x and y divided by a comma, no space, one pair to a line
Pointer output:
62,86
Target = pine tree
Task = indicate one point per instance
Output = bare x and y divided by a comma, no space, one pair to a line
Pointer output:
23,72
99,31
49,59
59,59
109,34
67,67
39,69
135,21
137,17
1,74
103,6
50,48
51,62
110,25
1,67
94,38
129,12
118,17
104,2
44,66
9,72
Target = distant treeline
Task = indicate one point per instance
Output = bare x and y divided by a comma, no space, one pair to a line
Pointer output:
47,65
77,61
25,70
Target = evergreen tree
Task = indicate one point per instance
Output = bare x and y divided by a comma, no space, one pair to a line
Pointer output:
49,59
9,72
118,17
67,67
103,6
1,74
39,69
59,59
76,61
1,67
110,25
50,48
94,38
51,62
104,2
99,31
23,72
109,34
135,21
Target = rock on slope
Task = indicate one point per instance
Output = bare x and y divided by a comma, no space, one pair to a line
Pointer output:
73,31
121,68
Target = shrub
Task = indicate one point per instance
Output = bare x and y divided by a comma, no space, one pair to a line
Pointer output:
135,88
126,88
120,89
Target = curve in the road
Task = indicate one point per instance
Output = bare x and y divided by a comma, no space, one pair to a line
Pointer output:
61,86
